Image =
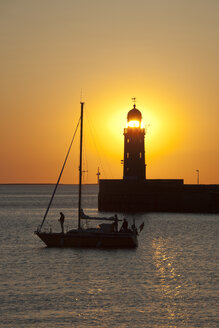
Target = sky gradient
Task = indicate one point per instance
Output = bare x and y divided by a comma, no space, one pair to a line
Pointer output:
56,53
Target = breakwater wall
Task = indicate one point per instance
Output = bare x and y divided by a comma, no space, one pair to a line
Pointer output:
153,195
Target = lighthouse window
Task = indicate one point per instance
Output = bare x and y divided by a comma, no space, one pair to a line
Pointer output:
127,155
140,154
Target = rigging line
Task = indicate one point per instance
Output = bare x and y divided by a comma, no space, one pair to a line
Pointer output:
98,154
54,191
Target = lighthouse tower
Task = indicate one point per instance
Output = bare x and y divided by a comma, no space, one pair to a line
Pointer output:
134,151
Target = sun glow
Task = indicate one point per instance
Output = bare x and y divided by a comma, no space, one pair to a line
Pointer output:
134,124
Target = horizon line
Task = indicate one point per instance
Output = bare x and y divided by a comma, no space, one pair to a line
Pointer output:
30,183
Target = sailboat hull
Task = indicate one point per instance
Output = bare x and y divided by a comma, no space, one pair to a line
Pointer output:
79,239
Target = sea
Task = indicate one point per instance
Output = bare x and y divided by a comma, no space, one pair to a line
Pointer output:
170,280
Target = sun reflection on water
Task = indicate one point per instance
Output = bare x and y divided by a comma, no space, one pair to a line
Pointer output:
169,280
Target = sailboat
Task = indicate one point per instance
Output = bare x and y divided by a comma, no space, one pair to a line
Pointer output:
106,235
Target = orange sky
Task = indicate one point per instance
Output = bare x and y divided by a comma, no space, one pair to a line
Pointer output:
163,52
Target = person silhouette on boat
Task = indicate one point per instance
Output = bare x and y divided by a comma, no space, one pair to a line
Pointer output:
124,226
61,220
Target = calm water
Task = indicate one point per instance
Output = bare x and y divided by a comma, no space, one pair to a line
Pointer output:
169,281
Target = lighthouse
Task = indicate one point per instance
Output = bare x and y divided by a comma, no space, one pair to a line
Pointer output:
134,150
134,193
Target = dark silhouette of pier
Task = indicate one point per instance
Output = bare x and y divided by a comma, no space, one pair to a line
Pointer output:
157,196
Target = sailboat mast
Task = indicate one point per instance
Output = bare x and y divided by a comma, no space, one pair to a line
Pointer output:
80,168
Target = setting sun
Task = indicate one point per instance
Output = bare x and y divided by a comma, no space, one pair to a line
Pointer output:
134,124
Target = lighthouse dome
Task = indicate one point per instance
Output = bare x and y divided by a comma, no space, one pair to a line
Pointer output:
134,115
